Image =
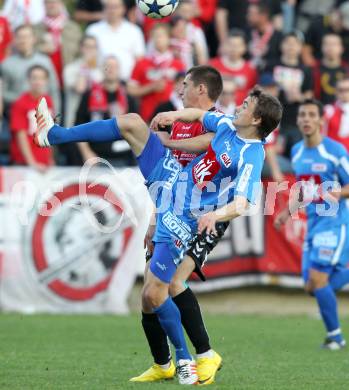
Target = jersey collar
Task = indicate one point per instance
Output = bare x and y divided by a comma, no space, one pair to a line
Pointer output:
250,141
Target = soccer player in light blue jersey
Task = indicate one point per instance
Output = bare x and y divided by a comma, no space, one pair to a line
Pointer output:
216,186
321,167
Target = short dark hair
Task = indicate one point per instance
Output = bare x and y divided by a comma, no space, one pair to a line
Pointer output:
294,34
87,37
23,27
161,26
268,109
37,67
263,8
210,77
237,33
313,102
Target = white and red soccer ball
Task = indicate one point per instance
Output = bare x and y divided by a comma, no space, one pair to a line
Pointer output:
157,9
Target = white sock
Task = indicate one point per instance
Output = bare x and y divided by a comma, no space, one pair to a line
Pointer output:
165,366
207,354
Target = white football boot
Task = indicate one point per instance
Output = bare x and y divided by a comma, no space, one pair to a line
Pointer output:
186,372
44,123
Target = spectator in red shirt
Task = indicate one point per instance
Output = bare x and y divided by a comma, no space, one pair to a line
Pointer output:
152,78
337,115
5,38
23,124
232,64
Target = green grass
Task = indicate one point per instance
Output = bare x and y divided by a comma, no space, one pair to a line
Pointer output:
103,352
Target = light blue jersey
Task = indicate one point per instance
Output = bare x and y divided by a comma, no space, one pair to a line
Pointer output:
231,166
319,169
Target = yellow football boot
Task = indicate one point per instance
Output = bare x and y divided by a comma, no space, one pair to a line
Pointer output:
207,368
156,373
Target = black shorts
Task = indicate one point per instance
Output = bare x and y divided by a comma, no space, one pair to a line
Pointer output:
201,245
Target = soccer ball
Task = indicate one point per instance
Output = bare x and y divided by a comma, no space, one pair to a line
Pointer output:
157,9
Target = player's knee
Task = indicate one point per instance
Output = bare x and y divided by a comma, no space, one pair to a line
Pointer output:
129,123
150,296
314,284
176,287
146,307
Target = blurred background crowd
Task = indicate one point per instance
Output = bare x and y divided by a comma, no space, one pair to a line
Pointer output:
94,59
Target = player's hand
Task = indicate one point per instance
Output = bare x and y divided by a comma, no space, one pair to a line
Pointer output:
148,243
208,222
163,119
281,219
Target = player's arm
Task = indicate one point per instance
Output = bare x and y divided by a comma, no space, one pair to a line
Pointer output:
197,144
232,210
343,176
247,189
295,203
209,119
343,192
168,118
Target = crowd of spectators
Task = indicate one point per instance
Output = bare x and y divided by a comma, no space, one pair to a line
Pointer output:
94,59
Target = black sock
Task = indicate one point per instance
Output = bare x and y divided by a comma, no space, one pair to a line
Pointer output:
157,338
192,320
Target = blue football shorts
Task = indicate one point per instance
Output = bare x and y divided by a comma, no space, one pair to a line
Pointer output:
161,171
326,251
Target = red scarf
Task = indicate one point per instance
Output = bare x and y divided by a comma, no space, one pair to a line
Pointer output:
55,26
98,100
259,43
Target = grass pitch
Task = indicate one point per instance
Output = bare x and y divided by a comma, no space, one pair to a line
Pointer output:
103,352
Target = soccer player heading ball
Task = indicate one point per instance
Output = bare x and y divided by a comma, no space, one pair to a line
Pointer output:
225,179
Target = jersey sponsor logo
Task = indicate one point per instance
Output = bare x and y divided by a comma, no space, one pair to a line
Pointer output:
161,266
227,144
178,244
325,239
311,188
226,159
244,178
318,167
172,165
326,254
206,168
176,226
